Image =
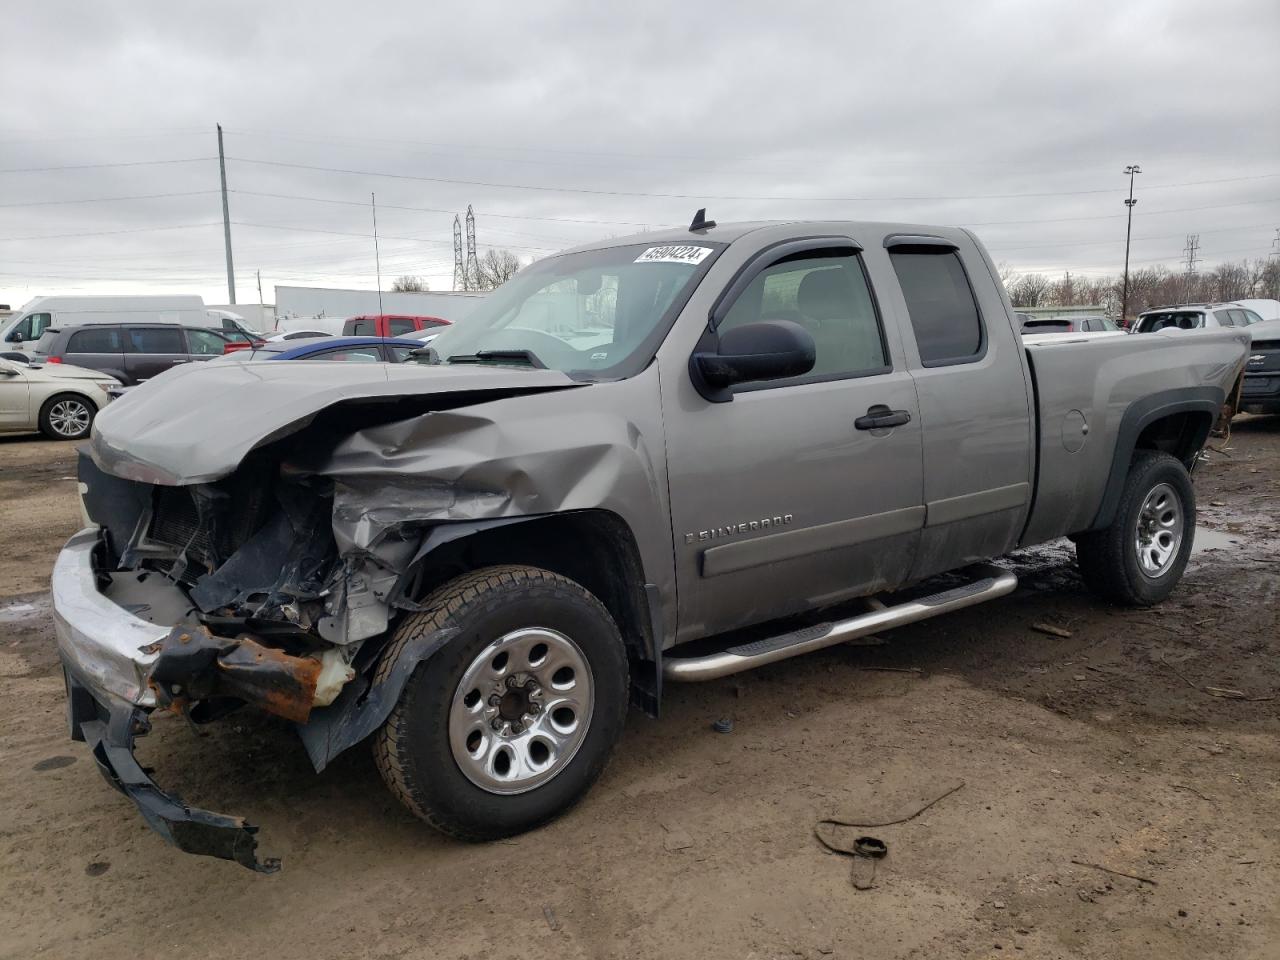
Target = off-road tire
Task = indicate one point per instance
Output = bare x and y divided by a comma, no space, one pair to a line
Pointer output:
45,421
1108,559
412,749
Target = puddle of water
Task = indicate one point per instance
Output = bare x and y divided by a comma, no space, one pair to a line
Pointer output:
1207,539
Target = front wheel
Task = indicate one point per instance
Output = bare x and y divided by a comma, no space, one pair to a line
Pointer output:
67,416
1139,559
511,721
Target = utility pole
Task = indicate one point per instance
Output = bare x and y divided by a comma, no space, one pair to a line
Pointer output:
1131,170
459,271
1275,245
377,257
473,265
261,307
226,221
1191,249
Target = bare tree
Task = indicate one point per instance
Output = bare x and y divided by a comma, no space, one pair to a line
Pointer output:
1030,290
1008,275
494,269
409,284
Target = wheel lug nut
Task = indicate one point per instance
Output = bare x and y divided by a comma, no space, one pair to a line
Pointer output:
494,700
517,728
496,723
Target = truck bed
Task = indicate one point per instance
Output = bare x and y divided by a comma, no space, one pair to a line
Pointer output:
1092,391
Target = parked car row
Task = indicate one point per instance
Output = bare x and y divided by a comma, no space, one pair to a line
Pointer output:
1186,316
22,332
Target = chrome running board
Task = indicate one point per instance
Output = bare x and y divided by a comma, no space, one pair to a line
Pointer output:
992,582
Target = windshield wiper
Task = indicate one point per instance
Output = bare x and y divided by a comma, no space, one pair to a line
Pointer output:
500,356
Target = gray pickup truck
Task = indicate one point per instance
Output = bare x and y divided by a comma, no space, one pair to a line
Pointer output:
476,561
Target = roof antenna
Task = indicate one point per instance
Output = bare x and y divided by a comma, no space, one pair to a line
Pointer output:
700,221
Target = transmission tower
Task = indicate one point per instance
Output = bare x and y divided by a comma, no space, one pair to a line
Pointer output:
1275,245
459,271
473,265
1191,249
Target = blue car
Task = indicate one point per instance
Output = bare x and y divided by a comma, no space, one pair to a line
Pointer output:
344,349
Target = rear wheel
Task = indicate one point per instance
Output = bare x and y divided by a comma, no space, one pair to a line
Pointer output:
1139,559
512,720
67,416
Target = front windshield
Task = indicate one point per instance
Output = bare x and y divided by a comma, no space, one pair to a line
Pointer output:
595,314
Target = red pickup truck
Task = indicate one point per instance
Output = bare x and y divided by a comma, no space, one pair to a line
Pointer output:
389,325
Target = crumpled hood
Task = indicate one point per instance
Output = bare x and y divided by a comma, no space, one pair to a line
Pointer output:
194,424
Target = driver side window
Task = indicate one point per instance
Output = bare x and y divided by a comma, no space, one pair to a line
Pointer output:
828,295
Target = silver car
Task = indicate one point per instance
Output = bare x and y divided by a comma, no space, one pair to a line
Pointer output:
59,400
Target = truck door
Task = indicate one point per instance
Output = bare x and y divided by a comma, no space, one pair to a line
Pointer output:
789,496
975,401
150,351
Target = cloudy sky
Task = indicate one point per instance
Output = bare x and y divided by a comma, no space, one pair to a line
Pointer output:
563,122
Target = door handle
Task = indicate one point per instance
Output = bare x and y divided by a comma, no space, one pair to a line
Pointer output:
181,361
880,417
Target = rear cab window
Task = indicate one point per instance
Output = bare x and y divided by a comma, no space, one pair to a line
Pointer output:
1170,319
361,328
1046,326
941,304
399,326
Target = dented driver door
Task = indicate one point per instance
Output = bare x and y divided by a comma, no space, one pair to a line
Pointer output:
789,496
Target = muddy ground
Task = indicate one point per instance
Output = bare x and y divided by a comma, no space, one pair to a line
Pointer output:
1106,747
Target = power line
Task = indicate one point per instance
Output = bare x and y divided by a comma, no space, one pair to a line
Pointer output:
1090,243
341,233
100,166
136,196
702,196
110,233
502,216
1120,216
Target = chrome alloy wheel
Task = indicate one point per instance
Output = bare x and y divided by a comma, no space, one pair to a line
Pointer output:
69,418
521,710
1160,530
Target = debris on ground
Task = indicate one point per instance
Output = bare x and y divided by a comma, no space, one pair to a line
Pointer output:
1051,630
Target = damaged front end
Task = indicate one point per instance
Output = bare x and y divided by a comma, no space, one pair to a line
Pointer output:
260,557
251,600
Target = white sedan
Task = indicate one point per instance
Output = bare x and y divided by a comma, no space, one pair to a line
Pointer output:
59,400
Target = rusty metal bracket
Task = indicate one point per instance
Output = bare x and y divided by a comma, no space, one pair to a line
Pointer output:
194,664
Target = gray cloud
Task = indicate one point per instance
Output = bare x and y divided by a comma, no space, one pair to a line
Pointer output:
909,100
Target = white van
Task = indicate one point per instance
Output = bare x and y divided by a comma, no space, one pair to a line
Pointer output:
24,328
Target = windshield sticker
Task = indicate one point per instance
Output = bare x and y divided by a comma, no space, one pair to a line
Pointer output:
680,254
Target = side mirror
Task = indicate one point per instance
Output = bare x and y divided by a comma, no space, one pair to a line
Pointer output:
766,350
13,336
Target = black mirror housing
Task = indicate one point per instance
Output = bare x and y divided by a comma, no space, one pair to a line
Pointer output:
765,350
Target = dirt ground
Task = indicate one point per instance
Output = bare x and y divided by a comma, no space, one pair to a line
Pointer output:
1106,747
